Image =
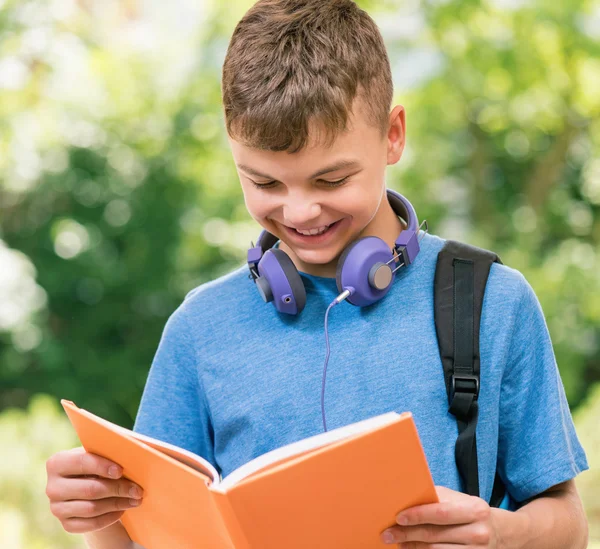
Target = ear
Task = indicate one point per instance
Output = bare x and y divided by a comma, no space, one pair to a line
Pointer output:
396,136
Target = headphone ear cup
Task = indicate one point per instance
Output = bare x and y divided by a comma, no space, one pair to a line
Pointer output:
357,268
294,281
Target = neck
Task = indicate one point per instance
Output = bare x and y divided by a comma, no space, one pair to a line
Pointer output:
385,225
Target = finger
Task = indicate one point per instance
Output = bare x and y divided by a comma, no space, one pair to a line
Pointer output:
78,462
470,509
79,508
477,534
81,525
419,545
63,489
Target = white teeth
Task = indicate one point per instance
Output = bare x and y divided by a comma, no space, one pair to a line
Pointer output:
313,232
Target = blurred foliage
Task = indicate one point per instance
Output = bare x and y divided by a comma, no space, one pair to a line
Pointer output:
118,193
28,438
588,483
120,196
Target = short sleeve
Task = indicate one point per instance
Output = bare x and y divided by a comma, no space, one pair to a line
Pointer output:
173,406
538,446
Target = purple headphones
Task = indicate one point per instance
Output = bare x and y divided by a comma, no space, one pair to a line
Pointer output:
363,269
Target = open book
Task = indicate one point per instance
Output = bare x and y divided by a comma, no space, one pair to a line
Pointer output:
338,489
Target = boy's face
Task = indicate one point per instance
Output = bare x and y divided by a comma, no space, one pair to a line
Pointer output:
299,196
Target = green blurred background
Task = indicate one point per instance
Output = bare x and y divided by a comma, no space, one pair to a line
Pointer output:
118,193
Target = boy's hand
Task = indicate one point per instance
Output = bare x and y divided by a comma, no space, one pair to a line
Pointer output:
458,520
86,492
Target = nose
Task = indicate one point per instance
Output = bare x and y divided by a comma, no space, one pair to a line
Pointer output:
300,211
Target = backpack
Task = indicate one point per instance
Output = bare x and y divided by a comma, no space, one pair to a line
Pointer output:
460,278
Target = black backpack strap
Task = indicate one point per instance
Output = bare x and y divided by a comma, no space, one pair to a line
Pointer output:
460,278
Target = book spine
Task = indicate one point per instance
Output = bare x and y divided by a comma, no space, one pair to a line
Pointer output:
231,522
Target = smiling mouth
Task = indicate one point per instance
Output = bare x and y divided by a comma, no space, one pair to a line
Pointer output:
313,237
322,230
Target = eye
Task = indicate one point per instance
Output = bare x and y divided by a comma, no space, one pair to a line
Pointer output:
271,184
264,185
334,183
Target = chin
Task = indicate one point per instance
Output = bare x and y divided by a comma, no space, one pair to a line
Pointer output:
323,256
316,257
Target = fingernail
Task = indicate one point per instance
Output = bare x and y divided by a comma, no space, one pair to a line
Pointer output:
113,471
135,492
134,502
387,537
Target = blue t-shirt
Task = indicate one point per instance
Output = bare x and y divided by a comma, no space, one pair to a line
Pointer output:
233,378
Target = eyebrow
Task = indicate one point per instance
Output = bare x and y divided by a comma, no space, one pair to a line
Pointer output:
347,163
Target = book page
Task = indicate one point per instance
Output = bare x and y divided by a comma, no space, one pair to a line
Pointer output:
182,455
303,446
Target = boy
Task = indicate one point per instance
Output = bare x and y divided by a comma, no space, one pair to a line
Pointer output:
307,93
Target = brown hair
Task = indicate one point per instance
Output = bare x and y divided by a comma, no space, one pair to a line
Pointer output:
293,62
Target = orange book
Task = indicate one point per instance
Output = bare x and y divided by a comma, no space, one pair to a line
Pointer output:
336,490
